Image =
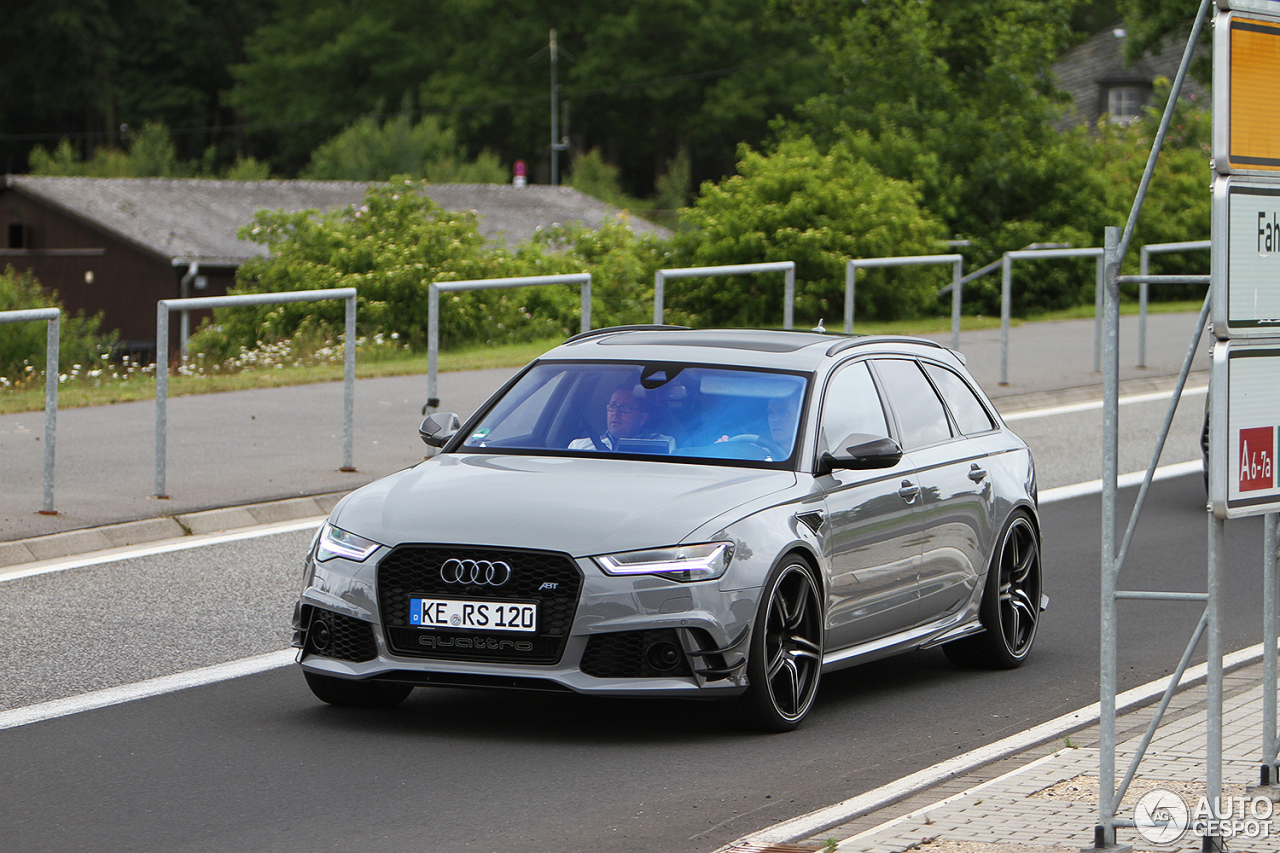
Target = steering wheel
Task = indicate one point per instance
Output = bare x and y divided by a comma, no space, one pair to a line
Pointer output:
756,442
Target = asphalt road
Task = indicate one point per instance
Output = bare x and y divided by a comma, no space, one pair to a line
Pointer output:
256,764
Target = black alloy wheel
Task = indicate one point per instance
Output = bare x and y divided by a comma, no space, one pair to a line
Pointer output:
785,663
1010,602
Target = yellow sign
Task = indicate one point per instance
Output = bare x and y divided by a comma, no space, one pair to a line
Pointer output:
1255,82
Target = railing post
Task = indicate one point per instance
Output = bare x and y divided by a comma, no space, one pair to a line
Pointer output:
1099,287
349,385
1144,266
850,289
433,346
53,336
957,287
1006,291
659,285
162,395
789,299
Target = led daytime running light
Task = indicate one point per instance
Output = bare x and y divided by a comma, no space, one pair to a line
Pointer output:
682,562
336,542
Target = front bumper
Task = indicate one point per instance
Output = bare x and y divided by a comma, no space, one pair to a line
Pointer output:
633,636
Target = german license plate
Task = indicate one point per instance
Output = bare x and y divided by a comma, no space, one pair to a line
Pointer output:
472,615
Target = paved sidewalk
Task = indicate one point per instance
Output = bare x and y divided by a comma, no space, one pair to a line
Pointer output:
1044,799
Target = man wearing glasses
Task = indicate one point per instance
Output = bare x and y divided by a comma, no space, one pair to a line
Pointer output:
625,419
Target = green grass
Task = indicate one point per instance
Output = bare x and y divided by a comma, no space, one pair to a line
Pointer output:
99,392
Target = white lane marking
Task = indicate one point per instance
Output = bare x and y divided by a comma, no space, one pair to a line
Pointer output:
1097,404
810,824
143,689
168,546
1133,478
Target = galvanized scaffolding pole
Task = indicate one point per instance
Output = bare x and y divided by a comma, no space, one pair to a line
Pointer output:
1116,244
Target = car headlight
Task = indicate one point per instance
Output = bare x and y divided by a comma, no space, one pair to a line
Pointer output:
707,561
336,542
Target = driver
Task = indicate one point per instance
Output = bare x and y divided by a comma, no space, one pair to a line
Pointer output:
625,417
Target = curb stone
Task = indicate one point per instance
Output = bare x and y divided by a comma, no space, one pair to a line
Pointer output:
74,542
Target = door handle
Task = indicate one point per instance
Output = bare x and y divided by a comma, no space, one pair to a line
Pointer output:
977,474
909,491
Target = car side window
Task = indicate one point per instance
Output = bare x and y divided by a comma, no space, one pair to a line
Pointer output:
852,405
971,416
921,415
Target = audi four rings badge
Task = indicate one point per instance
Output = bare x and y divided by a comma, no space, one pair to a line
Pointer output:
475,572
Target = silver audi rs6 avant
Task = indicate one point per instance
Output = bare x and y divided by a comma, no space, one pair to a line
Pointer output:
658,511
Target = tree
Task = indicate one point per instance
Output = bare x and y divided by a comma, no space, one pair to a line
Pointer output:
955,94
1151,22
818,209
369,151
80,69
151,154
645,79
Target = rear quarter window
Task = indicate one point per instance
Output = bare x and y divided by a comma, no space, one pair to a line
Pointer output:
971,416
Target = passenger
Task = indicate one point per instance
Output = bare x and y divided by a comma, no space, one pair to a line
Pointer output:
782,420
783,417
625,417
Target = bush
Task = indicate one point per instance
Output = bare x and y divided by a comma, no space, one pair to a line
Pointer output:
22,345
819,210
400,241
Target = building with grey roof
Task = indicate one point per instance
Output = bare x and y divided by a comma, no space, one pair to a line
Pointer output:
1102,84
118,245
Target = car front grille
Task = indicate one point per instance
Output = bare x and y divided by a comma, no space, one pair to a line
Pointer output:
550,579
635,654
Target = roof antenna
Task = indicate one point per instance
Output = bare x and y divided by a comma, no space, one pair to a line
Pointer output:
821,329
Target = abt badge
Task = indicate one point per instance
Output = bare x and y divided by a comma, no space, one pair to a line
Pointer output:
548,586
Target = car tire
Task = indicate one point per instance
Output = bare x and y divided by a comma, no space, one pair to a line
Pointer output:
784,664
356,694
1010,610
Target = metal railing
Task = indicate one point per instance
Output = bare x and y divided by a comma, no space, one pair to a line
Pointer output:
433,313
53,318
1006,298
164,306
956,287
1144,255
789,286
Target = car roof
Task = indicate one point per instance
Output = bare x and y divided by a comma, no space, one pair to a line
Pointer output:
789,350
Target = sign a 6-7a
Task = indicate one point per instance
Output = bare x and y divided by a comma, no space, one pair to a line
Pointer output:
1257,458
1244,425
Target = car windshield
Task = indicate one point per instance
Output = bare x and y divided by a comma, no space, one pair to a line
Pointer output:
677,412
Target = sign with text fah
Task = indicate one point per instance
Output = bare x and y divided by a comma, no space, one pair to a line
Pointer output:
1243,426
1246,132
1246,257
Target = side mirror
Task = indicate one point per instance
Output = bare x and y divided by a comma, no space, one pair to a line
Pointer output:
437,429
861,453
